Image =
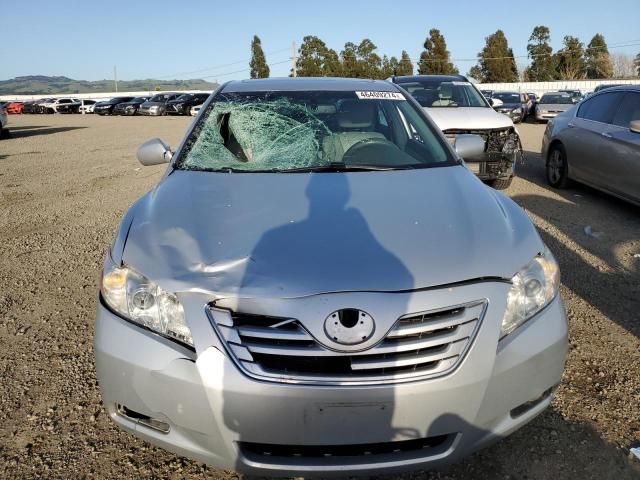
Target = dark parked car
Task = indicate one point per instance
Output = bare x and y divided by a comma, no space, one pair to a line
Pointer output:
598,144
106,108
30,107
157,105
515,105
129,108
182,105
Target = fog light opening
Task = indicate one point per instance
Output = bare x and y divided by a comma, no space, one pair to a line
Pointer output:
142,419
526,406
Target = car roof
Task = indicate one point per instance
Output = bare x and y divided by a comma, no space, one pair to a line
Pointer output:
415,78
308,84
558,92
623,87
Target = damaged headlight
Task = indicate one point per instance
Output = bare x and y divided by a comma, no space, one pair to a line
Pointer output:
136,298
511,144
532,289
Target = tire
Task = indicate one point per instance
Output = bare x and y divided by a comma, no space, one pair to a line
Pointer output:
557,167
500,183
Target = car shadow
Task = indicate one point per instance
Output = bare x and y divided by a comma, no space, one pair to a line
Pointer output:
594,237
27,127
35,131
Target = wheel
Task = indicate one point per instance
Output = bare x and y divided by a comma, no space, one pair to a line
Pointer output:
557,168
500,183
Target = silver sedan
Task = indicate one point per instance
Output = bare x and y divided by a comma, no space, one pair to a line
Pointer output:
598,144
319,285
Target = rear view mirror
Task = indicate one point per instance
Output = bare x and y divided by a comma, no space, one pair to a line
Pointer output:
154,152
469,146
634,126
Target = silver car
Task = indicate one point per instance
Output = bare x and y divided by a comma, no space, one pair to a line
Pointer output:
553,103
319,285
157,105
598,144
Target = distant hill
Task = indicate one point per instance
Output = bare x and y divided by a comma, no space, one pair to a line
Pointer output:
41,84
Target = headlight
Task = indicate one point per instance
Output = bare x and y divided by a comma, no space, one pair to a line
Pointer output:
517,110
532,289
511,144
138,299
154,107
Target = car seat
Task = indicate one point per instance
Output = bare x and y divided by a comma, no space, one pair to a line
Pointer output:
445,96
355,122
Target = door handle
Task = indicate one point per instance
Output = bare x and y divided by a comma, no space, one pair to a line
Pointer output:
606,135
570,125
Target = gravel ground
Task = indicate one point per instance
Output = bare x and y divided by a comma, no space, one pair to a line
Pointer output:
65,181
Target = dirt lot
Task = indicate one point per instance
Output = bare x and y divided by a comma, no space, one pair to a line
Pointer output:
65,181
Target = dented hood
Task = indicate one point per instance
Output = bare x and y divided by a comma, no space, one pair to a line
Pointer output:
289,235
468,118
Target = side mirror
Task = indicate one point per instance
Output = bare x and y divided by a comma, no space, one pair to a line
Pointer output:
469,146
634,126
154,152
495,102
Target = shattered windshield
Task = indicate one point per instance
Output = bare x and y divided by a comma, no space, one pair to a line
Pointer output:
311,131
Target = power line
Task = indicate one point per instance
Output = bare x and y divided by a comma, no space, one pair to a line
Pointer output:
220,66
244,69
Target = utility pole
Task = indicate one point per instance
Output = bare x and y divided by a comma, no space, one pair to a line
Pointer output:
115,78
294,59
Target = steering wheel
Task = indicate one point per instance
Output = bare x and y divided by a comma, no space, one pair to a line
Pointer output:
371,151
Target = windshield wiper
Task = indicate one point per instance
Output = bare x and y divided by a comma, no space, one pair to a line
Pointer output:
343,167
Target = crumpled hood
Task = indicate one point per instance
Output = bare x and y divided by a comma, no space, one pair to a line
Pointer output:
290,235
471,118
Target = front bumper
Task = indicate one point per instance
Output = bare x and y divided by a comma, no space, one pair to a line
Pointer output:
217,415
544,117
151,113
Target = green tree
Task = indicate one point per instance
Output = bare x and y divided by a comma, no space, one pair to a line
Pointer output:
637,64
495,62
405,67
389,67
434,59
349,60
597,60
258,63
316,60
370,63
570,59
543,67
475,72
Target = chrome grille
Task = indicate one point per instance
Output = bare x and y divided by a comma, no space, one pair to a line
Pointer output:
419,345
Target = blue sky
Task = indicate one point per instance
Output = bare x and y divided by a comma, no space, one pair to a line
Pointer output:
169,39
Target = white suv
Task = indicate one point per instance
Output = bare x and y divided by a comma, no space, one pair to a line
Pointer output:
456,106
52,106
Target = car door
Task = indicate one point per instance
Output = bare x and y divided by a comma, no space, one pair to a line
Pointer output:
584,133
620,150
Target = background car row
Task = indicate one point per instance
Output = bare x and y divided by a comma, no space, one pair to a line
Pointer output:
520,106
159,104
